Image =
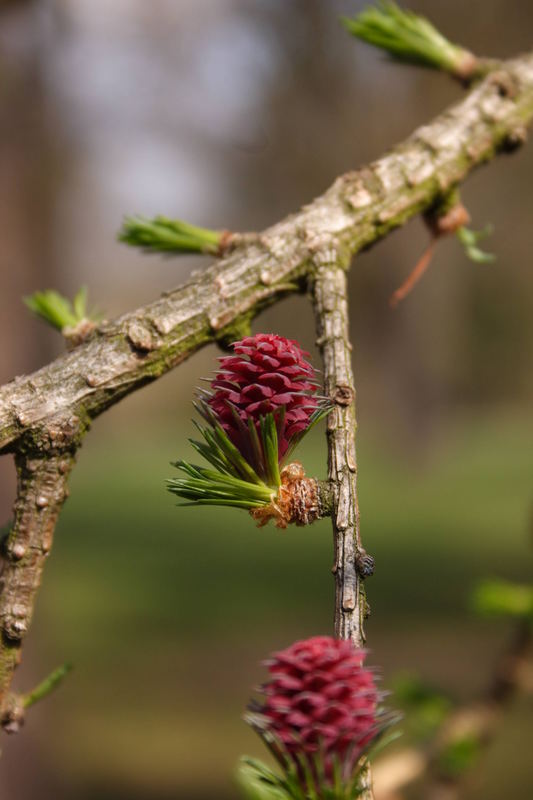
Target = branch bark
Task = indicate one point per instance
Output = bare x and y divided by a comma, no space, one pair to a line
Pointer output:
331,309
41,491
360,208
44,416
351,563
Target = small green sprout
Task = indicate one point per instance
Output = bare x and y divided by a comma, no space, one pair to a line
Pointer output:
163,235
61,313
469,240
410,38
46,686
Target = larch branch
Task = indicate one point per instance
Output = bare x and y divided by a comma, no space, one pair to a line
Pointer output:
331,309
360,208
330,297
44,416
41,491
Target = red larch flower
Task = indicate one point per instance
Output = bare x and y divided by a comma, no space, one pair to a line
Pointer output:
267,374
320,702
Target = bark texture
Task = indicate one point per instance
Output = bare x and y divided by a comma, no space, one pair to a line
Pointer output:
41,491
44,416
330,295
331,308
358,209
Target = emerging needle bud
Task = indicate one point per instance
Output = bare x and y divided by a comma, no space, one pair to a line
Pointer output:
164,235
413,39
73,319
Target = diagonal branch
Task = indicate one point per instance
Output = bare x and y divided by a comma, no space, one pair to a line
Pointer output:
357,210
44,416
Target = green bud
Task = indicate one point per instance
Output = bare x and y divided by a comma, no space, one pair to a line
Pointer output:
410,38
469,240
60,312
163,235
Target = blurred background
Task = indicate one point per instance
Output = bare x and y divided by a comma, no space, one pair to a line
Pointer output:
230,114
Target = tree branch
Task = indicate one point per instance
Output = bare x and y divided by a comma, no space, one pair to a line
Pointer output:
44,416
351,563
41,491
358,209
331,309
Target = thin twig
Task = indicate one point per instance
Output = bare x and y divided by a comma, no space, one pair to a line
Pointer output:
414,276
49,684
331,310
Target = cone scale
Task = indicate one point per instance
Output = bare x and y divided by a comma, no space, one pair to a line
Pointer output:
267,374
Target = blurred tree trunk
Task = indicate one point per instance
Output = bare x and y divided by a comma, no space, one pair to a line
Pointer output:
30,132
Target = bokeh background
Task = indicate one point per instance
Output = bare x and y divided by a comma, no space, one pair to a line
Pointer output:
232,113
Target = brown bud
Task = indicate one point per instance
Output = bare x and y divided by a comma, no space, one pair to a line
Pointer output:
296,501
454,218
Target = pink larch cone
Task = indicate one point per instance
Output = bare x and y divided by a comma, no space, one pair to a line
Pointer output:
268,373
321,702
